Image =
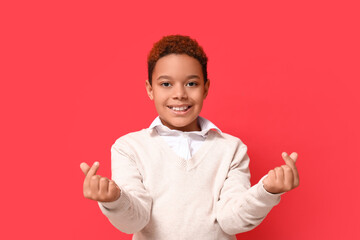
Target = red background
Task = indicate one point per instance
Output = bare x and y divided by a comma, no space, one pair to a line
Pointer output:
284,77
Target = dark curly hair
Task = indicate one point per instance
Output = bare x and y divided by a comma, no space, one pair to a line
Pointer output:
177,44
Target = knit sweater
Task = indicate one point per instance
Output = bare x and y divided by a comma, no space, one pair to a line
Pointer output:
164,196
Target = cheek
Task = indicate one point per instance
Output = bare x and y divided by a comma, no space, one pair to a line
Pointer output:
199,98
159,102
159,95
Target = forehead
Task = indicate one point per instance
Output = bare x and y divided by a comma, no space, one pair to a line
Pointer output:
177,64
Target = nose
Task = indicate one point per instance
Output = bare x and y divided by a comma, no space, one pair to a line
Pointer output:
179,92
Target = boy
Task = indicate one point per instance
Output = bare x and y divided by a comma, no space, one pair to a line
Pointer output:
179,179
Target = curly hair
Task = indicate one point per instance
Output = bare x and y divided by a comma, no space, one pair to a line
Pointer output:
177,44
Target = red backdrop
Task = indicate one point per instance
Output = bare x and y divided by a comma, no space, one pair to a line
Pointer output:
284,77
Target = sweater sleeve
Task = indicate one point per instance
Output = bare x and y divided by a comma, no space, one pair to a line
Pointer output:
131,211
240,207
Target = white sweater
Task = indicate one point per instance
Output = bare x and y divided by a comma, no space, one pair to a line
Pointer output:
163,196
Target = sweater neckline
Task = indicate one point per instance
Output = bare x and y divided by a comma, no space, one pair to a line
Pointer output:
195,159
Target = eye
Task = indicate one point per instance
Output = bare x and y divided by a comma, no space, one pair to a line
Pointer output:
192,84
165,84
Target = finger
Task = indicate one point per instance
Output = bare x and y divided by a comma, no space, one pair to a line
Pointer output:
296,177
288,160
294,156
94,184
291,163
114,190
279,174
269,178
103,186
84,168
92,171
272,175
288,177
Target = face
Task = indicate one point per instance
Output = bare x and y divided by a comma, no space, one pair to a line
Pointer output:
178,91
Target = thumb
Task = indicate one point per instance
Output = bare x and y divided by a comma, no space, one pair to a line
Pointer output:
84,168
294,156
290,160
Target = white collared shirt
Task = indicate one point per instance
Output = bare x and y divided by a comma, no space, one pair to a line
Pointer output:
185,144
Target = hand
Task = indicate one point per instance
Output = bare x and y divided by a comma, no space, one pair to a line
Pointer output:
96,187
284,178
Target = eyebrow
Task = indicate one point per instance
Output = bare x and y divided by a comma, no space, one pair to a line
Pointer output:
169,78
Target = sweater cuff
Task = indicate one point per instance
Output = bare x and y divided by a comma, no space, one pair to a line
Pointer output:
121,203
263,194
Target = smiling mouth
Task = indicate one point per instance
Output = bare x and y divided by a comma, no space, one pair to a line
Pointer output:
180,109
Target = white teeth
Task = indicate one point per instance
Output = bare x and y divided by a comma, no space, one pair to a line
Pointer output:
179,108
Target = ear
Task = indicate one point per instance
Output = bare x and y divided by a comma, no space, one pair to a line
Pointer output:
149,89
206,87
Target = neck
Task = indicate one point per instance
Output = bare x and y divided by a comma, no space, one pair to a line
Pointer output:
194,126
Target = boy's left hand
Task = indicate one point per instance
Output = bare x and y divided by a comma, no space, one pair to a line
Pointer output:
284,178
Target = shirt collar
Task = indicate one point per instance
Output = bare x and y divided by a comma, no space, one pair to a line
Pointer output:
204,123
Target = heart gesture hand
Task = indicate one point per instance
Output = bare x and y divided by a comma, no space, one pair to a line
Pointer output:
96,187
284,178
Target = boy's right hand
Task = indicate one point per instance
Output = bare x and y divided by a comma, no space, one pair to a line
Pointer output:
96,187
